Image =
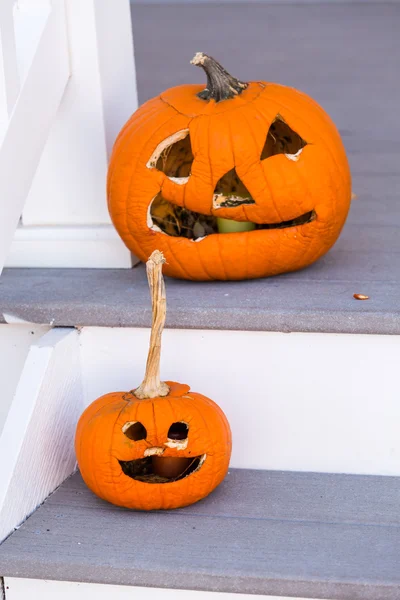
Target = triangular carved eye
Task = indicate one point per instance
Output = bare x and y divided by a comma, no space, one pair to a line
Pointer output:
174,156
281,139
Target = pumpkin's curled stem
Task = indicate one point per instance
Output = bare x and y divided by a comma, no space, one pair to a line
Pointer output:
220,84
151,387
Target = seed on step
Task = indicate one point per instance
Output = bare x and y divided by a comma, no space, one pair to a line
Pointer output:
360,297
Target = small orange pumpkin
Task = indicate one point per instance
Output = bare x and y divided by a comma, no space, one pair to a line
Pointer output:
235,181
160,446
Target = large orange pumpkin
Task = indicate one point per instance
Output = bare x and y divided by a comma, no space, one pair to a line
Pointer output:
237,181
159,446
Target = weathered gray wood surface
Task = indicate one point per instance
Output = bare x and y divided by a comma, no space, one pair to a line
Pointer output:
119,298
260,532
346,56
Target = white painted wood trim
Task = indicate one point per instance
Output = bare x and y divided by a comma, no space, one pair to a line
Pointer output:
69,188
34,112
63,182
36,589
9,78
15,341
68,246
37,438
29,20
299,401
116,66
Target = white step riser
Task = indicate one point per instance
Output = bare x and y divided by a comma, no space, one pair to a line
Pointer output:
308,402
32,589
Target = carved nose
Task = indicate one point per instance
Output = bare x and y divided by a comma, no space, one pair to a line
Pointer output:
154,451
230,191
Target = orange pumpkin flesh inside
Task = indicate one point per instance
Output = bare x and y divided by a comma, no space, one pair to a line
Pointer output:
159,446
269,155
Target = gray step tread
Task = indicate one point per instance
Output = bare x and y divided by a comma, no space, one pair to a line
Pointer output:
261,532
120,298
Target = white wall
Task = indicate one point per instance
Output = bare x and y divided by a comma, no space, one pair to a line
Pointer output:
299,401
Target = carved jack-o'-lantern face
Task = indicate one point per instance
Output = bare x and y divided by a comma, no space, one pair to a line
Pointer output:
157,453
236,181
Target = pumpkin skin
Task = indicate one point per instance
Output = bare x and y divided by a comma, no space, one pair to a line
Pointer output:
100,444
225,135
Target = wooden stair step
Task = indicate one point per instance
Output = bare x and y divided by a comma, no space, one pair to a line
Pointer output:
306,535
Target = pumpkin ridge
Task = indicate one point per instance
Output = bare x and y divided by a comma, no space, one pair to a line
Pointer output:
92,454
207,427
255,143
199,253
272,195
114,161
305,186
130,184
91,462
264,176
132,127
314,105
220,255
179,263
111,445
329,151
262,85
226,425
212,404
218,243
243,206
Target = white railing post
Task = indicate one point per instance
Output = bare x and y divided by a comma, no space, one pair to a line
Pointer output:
31,117
9,79
65,222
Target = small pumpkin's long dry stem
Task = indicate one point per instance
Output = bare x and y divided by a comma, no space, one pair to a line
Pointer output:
220,84
151,387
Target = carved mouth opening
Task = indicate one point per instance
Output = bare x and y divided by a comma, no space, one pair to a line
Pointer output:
141,469
176,221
